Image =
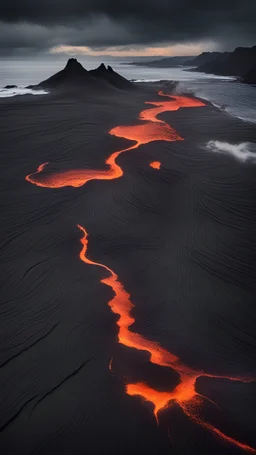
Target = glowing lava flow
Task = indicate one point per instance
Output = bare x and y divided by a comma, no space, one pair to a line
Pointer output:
122,306
151,130
184,393
155,165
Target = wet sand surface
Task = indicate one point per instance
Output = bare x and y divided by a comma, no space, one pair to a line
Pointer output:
179,236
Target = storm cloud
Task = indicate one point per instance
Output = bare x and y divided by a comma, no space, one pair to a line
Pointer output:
100,24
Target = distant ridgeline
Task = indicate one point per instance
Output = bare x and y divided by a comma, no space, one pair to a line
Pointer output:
74,75
240,63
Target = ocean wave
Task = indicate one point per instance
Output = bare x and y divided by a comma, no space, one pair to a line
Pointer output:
146,80
6,93
232,97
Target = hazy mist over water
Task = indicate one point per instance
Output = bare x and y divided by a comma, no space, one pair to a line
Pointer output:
236,98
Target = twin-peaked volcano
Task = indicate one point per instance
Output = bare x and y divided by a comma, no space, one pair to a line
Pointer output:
109,75
75,75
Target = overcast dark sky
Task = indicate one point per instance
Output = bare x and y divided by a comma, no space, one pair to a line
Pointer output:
30,26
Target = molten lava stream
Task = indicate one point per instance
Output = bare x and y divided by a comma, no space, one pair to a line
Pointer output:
151,130
184,393
155,165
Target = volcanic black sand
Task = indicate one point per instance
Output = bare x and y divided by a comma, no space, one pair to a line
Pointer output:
176,224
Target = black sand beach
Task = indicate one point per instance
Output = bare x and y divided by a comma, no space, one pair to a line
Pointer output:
181,240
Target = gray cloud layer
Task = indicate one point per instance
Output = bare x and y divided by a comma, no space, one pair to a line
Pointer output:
42,24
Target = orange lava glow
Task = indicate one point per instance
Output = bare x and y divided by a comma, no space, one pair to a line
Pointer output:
155,165
185,393
152,129
122,306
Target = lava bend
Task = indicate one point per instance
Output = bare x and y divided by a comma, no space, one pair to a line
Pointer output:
185,393
152,129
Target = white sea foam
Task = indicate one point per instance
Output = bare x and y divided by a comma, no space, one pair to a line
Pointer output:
145,80
245,151
6,93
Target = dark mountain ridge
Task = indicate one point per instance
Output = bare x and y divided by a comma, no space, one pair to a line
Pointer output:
167,62
74,75
204,58
109,75
240,63
170,62
237,63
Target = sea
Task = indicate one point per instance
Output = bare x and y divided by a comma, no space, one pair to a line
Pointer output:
224,92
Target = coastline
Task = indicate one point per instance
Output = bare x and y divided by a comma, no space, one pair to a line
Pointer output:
237,99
